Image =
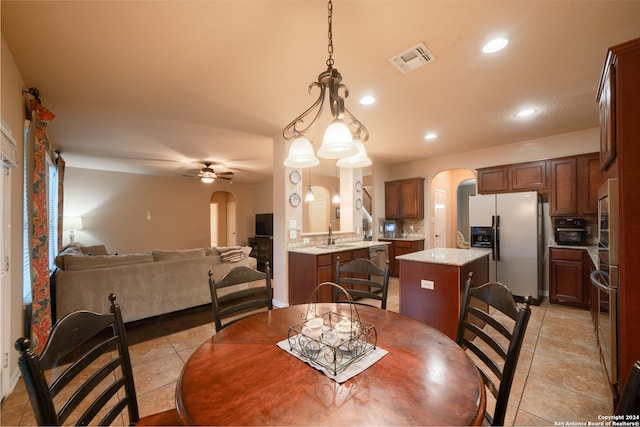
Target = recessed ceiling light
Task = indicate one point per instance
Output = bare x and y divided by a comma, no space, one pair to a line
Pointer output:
430,136
525,112
367,100
495,45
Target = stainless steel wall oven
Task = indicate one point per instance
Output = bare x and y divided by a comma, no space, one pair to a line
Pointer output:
606,278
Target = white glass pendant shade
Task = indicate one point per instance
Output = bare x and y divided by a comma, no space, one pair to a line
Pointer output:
301,154
360,160
337,142
310,196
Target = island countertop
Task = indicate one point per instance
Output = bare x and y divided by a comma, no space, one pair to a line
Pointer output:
445,256
338,247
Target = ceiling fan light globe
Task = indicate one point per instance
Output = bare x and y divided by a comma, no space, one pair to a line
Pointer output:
207,179
337,142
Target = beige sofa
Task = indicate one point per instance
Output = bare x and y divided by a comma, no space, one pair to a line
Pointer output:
146,285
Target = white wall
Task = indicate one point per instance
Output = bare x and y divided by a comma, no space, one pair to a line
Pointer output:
13,113
114,207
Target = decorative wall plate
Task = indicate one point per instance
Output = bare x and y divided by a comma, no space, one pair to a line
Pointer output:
358,203
295,176
358,186
295,200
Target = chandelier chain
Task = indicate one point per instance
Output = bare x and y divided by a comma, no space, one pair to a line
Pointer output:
330,35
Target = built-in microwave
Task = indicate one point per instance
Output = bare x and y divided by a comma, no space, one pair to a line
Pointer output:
570,231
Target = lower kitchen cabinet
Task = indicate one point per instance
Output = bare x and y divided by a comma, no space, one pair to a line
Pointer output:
401,247
569,277
307,271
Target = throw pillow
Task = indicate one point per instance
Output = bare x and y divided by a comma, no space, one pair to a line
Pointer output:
94,250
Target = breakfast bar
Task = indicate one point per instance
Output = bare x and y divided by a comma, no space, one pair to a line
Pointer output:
432,284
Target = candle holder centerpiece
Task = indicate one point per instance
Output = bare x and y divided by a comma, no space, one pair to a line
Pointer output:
332,340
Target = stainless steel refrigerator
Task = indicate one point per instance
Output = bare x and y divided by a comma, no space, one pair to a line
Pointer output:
510,225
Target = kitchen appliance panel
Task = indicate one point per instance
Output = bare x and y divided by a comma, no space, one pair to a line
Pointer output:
608,225
570,231
481,209
516,219
519,228
607,278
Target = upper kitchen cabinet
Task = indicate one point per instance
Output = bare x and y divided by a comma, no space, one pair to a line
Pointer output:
590,178
574,185
404,199
607,101
529,176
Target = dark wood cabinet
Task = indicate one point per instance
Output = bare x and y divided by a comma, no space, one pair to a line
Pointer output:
607,102
529,176
564,187
619,98
404,199
307,271
262,250
590,178
574,185
401,247
568,284
493,180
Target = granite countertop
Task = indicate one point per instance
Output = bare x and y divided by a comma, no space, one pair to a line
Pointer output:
446,256
591,250
408,238
338,247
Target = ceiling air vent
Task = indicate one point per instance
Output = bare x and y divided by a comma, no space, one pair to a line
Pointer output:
412,58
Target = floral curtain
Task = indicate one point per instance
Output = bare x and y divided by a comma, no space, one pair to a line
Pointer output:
41,295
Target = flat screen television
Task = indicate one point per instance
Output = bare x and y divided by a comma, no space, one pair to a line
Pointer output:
264,224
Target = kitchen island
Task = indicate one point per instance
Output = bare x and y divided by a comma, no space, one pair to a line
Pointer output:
432,284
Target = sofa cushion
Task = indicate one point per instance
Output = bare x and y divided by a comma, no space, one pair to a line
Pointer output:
82,262
168,255
70,250
94,250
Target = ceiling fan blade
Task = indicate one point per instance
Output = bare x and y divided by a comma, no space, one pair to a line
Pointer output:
224,173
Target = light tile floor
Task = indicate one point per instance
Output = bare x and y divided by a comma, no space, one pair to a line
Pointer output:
559,377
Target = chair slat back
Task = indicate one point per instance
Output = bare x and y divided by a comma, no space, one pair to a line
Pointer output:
362,279
238,298
86,358
629,403
492,328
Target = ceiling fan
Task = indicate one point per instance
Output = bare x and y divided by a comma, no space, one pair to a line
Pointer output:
208,175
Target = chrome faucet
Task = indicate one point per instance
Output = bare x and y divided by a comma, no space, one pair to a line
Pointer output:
330,241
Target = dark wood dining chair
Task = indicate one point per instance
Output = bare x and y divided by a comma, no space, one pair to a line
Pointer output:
492,327
361,278
234,295
84,373
629,403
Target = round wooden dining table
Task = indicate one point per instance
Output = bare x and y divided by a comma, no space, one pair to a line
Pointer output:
241,377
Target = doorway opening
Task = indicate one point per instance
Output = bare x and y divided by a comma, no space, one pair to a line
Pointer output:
446,207
222,218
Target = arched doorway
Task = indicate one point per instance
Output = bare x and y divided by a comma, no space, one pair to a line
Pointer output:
222,215
445,205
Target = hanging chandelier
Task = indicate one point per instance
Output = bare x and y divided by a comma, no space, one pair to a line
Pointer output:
338,140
